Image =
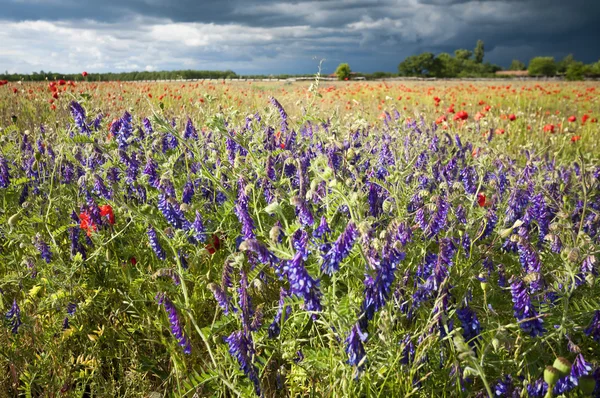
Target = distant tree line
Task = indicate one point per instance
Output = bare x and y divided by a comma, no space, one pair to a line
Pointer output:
123,76
466,63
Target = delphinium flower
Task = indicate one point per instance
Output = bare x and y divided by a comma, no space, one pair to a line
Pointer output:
175,322
125,130
231,147
490,221
172,212
44,249
155,244
537,389
274,328
78,114
593,330
377,290
14,316
188,193
470,324
524,310
468,175
147,126
282,114
303,212
169,142
404,233
241,210
322,229
408,351
151,171
354,346
301,283
505,388
198,228
241,348
221,296
190,130
100,189
97,121
263,254
340,249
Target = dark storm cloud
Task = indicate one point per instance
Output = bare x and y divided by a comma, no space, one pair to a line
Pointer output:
271,36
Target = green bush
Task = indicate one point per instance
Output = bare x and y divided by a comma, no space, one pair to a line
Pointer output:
542,66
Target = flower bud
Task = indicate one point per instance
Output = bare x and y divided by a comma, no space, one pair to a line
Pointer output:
562,365
551,375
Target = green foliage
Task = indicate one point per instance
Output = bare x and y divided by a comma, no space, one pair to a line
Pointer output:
462,54
563,64
542,66
517,65
425,64
576,71
343,71
479,52
123,76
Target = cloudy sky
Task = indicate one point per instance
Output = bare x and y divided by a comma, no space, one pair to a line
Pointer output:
271,36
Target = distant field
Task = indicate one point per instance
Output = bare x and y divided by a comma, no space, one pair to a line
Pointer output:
359,239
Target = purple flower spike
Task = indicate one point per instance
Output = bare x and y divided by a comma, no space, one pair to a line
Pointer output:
339,250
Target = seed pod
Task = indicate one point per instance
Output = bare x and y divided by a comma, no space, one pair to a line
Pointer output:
14,219
562,365
551,375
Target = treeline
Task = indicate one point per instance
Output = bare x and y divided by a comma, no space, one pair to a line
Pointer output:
568,67
123,76
466,63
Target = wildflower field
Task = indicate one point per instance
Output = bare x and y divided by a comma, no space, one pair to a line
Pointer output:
233,238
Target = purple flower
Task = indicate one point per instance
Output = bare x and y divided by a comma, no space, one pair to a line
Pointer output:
282,114
579,368
44,250
188,192
593,330
303,212
221,296
172,212
147,126
125,129
354,346
470,324
408,351
198,228
151,171
190,130
524,310
340,249
377,290
301,283
155,244
14,316
241,348
274,328
175,322
4,173
322,229
241,210
244,302
468,175
263,254
537,389
78,114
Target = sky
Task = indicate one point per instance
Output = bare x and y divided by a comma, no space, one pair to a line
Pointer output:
275,37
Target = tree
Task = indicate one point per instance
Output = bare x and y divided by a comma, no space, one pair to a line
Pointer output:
420,65
479,52
576,71
343,71
542,66
517,65
462,54
563,64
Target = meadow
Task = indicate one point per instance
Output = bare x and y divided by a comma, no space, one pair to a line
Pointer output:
360,239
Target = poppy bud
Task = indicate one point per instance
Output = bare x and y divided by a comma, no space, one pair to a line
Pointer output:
551,375
562,365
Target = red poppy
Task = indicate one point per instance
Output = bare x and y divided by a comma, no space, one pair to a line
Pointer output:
479,116
84,73
549,128
572,119
575,138
107,210
61,82
133,261
86,223
440,119
512,117
461,115
584,118
481,199
214,245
